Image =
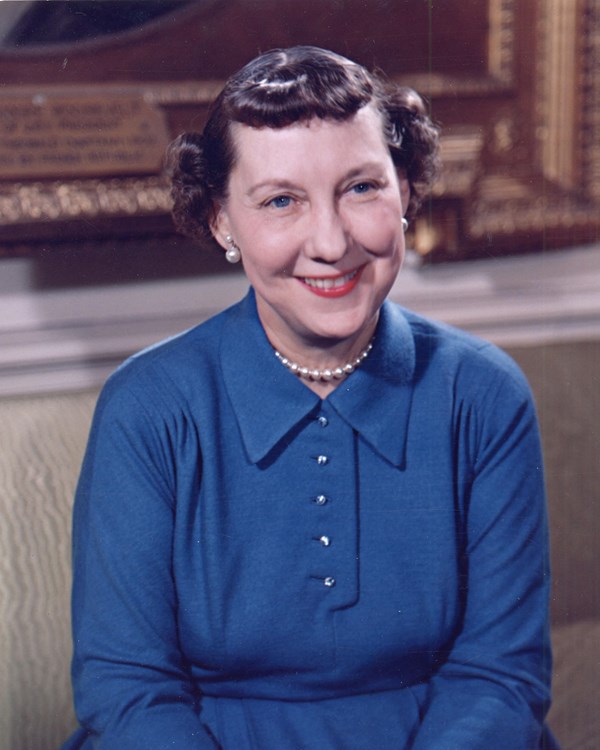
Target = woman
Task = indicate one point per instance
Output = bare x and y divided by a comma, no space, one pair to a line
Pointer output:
316,520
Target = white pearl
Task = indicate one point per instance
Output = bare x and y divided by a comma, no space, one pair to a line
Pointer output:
326,374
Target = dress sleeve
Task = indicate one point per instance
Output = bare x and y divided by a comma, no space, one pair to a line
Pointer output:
492,691
131,684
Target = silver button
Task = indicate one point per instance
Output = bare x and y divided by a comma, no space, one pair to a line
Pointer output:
325,540
322,460
320,500
323,421
329,582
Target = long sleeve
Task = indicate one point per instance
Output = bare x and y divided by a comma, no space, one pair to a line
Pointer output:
492,691
132,688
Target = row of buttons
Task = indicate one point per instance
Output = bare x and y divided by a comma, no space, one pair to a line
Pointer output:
322,460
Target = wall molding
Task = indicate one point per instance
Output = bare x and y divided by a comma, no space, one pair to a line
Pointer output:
52,341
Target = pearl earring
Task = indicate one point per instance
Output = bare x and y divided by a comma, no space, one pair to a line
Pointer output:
404,224
232,254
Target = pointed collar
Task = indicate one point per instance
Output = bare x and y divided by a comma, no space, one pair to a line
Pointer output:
270,402
376,400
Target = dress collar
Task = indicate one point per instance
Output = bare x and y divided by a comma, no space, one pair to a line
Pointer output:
270,402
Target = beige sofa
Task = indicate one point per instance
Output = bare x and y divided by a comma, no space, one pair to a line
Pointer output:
41,445
566,382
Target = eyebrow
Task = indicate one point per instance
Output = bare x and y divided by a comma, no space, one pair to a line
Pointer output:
271,184
288,185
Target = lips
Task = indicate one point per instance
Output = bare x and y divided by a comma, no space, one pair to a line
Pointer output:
333,286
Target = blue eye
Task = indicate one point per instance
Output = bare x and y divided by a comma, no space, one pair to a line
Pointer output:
362,187
281,201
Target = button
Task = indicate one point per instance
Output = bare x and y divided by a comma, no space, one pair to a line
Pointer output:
329,582
323,421
320,500
322,460
325,540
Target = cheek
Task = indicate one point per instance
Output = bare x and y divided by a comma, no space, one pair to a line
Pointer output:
381,236
265,261
268,250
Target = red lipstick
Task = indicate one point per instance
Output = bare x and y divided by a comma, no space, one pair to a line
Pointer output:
333,286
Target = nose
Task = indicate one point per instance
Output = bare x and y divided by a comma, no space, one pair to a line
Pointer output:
328,236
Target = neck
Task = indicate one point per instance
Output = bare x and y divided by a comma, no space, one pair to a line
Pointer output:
326,369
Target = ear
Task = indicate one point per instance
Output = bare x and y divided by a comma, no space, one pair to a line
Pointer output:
404,190
219,226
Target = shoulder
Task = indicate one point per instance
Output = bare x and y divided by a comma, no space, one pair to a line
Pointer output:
477,385
171,371
470,363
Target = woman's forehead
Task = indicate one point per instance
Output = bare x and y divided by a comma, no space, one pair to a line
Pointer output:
311,139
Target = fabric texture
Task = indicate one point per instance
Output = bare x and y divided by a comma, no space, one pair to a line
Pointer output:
41,446
257,568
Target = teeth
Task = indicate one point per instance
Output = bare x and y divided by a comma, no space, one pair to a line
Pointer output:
331,283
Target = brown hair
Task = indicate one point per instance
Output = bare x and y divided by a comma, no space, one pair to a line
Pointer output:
282,87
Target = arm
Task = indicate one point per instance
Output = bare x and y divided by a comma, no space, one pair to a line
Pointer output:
492,691
131,684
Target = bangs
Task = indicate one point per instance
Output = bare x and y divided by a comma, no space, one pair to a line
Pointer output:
280,90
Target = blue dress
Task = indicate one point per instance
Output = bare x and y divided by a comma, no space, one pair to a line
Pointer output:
259,569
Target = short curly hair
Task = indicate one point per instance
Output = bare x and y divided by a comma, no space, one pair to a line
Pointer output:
282,87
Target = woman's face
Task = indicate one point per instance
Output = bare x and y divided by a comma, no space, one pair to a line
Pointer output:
316,211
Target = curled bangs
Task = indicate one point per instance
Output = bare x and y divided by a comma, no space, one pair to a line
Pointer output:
287,86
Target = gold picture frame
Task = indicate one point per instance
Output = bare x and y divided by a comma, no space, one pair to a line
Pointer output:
514,85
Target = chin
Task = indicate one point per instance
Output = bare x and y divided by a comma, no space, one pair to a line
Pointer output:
340,330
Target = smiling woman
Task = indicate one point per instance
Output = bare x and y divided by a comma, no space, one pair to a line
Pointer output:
312,165
318,519
321,239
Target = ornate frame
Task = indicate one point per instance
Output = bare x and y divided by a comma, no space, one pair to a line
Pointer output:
521,146
34,209
562,197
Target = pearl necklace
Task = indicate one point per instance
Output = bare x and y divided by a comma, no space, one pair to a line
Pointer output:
326,375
